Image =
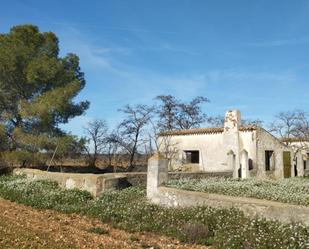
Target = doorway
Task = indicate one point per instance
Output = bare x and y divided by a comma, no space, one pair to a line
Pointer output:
287,164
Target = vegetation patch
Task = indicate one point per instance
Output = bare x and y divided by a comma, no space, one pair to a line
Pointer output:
97,230
128,209
290,190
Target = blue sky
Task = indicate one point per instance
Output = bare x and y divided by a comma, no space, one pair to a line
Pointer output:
250,55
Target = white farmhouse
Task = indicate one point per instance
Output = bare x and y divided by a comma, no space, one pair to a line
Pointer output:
247,151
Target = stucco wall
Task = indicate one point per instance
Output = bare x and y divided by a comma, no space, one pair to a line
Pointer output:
270,210
206,144
248,142
213,152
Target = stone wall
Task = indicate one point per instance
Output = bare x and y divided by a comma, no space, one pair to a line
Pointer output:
157,193
93,183
98,183
270,210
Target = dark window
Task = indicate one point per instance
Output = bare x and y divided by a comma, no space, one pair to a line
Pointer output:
269,160
192,156
305,165
250,163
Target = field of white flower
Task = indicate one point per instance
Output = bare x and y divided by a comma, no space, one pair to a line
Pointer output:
129,209
291,190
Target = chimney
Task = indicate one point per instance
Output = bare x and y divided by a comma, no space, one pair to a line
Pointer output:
232,121
231,141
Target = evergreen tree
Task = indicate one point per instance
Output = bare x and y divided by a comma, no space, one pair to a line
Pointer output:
37,90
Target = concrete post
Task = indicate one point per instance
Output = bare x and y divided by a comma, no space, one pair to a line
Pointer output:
244,164
157,174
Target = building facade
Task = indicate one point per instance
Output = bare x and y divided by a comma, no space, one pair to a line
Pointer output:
247,151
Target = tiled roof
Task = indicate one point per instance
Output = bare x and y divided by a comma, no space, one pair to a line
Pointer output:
294,139
204,131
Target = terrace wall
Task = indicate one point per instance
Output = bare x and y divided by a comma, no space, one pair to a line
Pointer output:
271,210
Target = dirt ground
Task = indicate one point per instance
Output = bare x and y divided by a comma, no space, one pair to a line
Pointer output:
25,227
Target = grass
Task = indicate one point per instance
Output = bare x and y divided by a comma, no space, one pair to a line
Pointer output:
129,210
291,190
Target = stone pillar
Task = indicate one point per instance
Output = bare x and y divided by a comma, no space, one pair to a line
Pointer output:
244,164
232,124
300,164
157,174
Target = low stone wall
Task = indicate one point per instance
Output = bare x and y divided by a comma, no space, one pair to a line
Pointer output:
93,183
271,210
98,183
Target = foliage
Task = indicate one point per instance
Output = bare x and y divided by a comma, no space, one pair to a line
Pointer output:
128,209
37,88
290,190
23,158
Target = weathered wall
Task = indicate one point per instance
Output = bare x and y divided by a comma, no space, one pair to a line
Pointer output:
270,210
95,184
265,141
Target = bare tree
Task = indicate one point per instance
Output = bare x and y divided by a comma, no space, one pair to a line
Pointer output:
285,124
131,129
167,112
190,114
256,122
218,121
174,114
302,126
96,131
112,150
293,128
215,121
